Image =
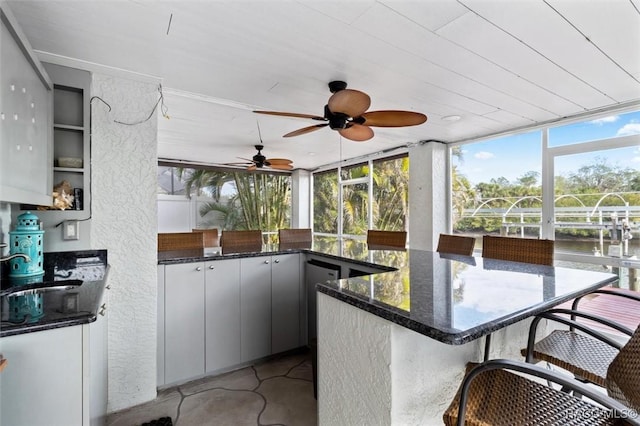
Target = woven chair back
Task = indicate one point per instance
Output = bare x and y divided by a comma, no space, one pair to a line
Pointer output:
386,238
526,250
301,235
456,244
210,236
251,238
180,241
623,375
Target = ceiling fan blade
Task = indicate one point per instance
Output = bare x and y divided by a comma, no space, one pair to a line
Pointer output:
305,130
391,118
292,114
281,166
273,161
350,102
252,167
357,132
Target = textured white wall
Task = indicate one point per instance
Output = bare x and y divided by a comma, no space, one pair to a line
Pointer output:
124,221
374,372
354,348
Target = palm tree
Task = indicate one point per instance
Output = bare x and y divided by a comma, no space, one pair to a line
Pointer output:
261,200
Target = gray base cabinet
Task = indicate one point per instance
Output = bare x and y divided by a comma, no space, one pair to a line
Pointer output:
255,308
184,321
222,314
285,303
55,377
218,314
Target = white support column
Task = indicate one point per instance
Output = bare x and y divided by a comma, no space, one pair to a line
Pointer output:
429,197
300,199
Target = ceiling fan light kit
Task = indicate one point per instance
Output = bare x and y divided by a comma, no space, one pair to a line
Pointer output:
346,113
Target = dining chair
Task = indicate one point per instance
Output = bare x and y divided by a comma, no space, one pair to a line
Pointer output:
456,244
210,236
509,392
295,238
251,238
386,239
582,349
526,250
180,241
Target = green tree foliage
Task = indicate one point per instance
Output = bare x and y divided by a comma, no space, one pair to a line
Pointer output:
587,186
262,201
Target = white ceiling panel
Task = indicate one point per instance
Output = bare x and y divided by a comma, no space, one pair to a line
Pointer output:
499,65
609,28
485,39
542,28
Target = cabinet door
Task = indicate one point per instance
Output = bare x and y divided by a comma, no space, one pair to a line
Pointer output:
184,321
97,377
255,307
42,383
25,126
222,312
285,302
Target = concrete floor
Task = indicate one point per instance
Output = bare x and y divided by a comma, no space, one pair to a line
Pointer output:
276,392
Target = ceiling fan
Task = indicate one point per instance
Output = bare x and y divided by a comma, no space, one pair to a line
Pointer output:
346,112
259,161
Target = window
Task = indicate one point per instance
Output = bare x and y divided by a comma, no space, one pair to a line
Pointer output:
207,198
371,195
497,187
581,187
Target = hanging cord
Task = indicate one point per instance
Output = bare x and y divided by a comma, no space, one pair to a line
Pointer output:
160,101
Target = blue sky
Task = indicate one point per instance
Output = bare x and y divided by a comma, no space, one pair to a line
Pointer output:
513,156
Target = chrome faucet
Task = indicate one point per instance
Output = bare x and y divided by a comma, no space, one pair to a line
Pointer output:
26,258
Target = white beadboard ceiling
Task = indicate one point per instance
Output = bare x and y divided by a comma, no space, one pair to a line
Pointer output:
499,65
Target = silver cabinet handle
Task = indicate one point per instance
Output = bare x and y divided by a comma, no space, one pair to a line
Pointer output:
211,267
198,269
266,262
277,261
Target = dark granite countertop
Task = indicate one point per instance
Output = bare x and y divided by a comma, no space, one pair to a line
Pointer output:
453,299
354,251
457,299
70,293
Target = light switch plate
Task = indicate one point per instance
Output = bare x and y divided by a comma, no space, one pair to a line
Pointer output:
71,230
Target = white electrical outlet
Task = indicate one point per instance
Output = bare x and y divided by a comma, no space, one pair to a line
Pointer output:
70,230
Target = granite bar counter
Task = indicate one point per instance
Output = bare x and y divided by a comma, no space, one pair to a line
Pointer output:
392,347
70,293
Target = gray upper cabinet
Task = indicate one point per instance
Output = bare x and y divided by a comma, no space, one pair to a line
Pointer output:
71,135
26,131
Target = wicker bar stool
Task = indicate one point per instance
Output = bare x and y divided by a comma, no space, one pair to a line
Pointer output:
456,244
582,349
295,238
526,250
491,394
210,236
386,239
241,241
180,241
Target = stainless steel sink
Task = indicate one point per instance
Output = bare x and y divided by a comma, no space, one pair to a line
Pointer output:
41,287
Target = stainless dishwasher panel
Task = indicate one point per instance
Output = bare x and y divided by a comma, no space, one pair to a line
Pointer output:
317,271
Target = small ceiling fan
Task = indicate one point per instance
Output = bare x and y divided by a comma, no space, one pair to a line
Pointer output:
259,161
346,112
